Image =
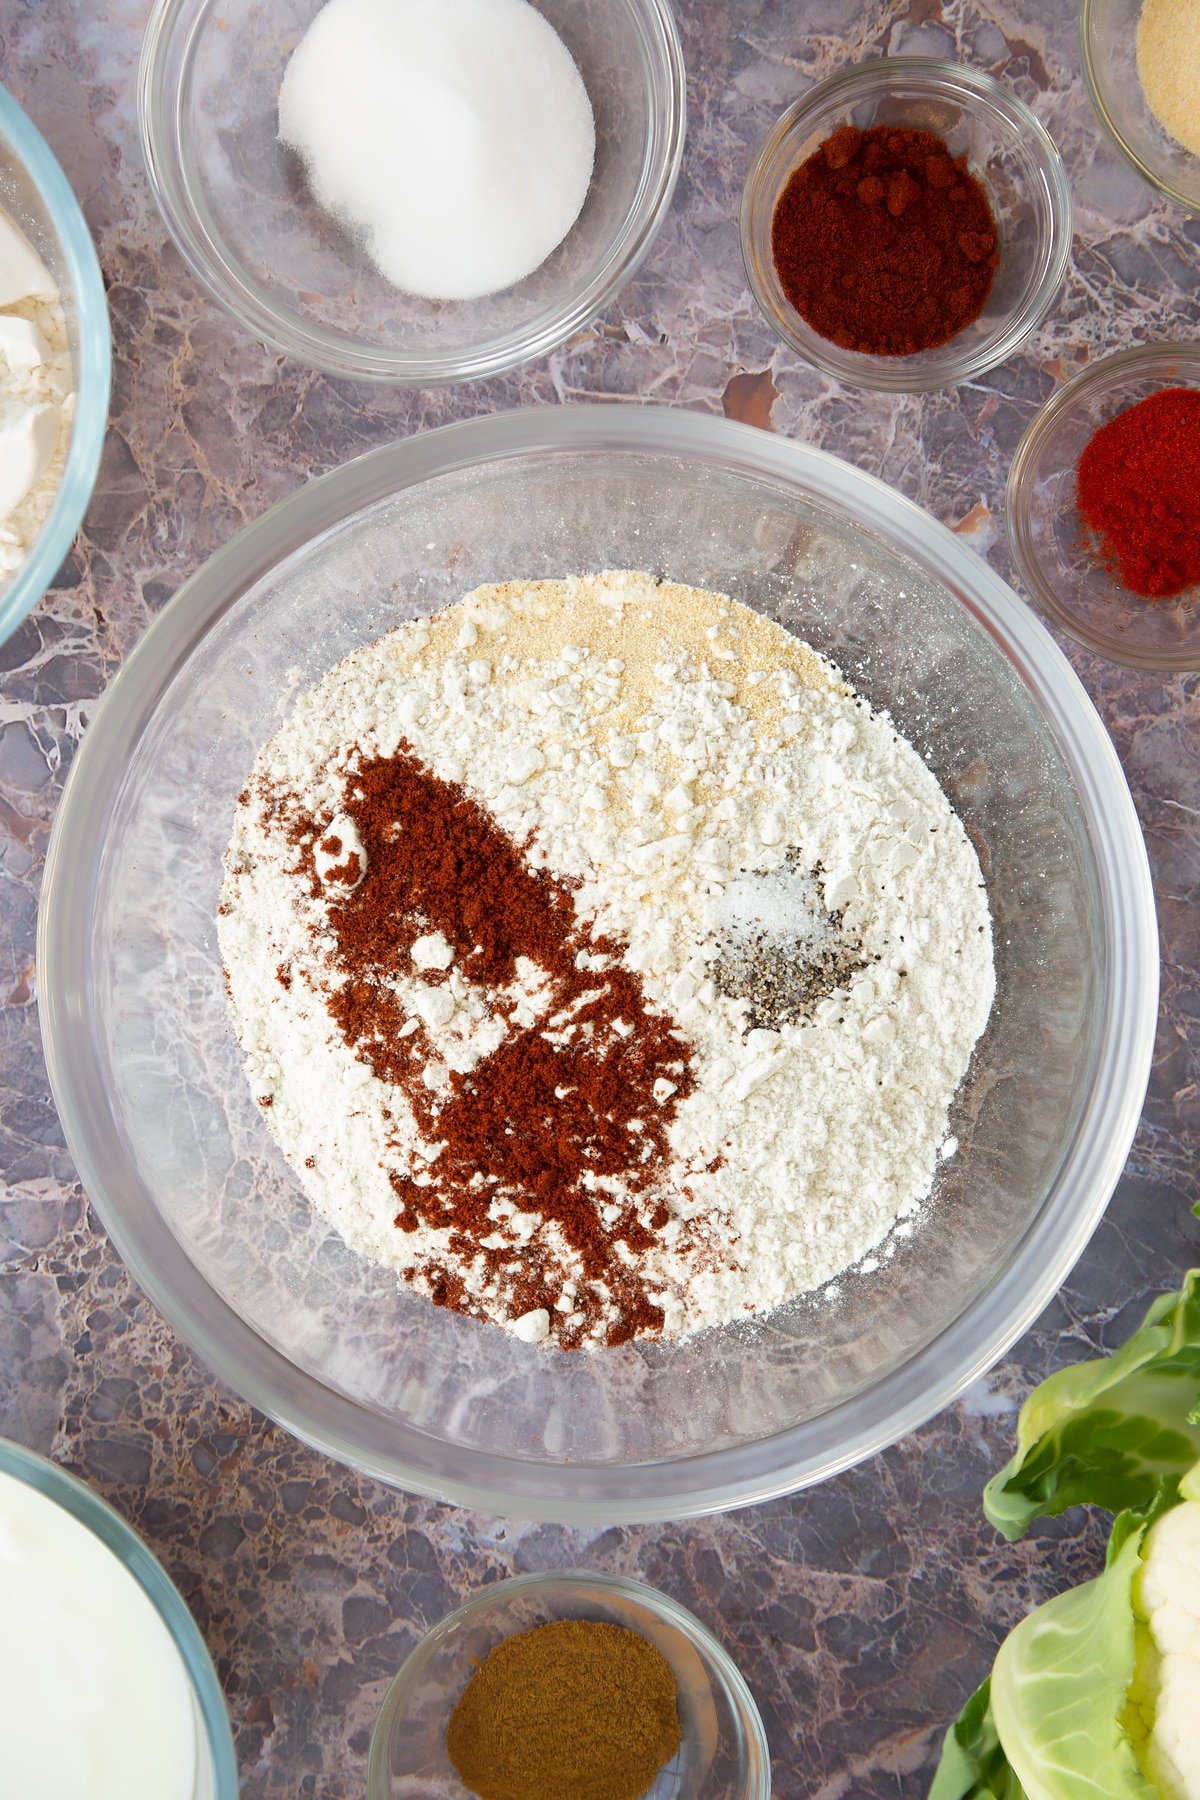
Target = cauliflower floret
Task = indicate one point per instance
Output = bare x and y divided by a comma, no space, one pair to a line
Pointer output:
1167,1697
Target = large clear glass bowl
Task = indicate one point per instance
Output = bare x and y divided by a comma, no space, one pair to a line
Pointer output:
171,1145
216,1768
38,197
238,206
723,1755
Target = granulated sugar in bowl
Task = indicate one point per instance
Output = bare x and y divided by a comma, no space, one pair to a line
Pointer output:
500,196
456,138
170,1138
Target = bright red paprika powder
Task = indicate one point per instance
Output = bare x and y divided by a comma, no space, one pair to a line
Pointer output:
1138,493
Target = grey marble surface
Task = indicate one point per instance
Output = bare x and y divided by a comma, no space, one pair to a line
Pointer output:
863,1612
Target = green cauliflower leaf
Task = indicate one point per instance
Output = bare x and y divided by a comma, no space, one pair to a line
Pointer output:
973,1765
1107,1432
1060,1685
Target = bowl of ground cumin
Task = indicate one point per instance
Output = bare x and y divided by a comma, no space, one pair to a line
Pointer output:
955,738
567,1683
906,224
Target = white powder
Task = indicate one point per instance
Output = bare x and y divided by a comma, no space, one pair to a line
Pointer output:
783,906
455,136
37,404
677,758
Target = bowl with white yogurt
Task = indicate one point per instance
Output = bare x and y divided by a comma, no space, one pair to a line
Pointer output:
239,1227
55,364
89,1621
414,193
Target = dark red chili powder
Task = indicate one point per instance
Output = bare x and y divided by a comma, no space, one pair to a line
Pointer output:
884,242
1138,493
539,1113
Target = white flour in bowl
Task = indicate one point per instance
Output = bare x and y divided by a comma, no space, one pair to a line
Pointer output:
602,962
37,404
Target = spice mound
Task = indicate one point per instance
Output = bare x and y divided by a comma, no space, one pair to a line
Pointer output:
1138,493
1168,64
579,1707
884,242
603,965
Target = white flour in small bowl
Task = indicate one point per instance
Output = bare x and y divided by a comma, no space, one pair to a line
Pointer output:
602,962
37,403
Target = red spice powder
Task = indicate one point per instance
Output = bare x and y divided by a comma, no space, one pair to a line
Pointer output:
539,1114
1138,492
884,242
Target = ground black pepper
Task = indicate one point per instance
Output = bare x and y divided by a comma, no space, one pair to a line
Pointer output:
783,986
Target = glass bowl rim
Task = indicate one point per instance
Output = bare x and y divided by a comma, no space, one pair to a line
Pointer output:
709,1481
106,1524
564,1582
1016,507
1090,63
243,297
876,73
57,531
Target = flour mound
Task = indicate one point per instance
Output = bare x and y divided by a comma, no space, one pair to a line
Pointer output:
775,865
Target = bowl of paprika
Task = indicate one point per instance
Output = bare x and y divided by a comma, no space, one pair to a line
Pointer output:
569,1683
1104,507
906,225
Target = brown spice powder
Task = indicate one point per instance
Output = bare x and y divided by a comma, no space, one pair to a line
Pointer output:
557,1104
884,242
579,1708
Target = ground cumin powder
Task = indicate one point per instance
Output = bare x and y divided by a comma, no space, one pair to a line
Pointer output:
577,1709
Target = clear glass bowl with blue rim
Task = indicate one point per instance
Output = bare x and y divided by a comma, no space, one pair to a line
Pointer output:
39,198
216,1766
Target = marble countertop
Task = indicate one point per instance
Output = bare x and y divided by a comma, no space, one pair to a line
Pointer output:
862,1612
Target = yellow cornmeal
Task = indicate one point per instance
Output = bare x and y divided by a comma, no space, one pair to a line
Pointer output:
1168,62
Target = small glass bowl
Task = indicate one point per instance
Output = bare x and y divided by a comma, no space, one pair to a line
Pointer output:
1007,150
237,203
723,1755
38,197
1066,575
216,1766
1108,51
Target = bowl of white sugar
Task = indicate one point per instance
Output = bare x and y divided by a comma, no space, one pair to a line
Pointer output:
92,1629
55,357
598,963
413,191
